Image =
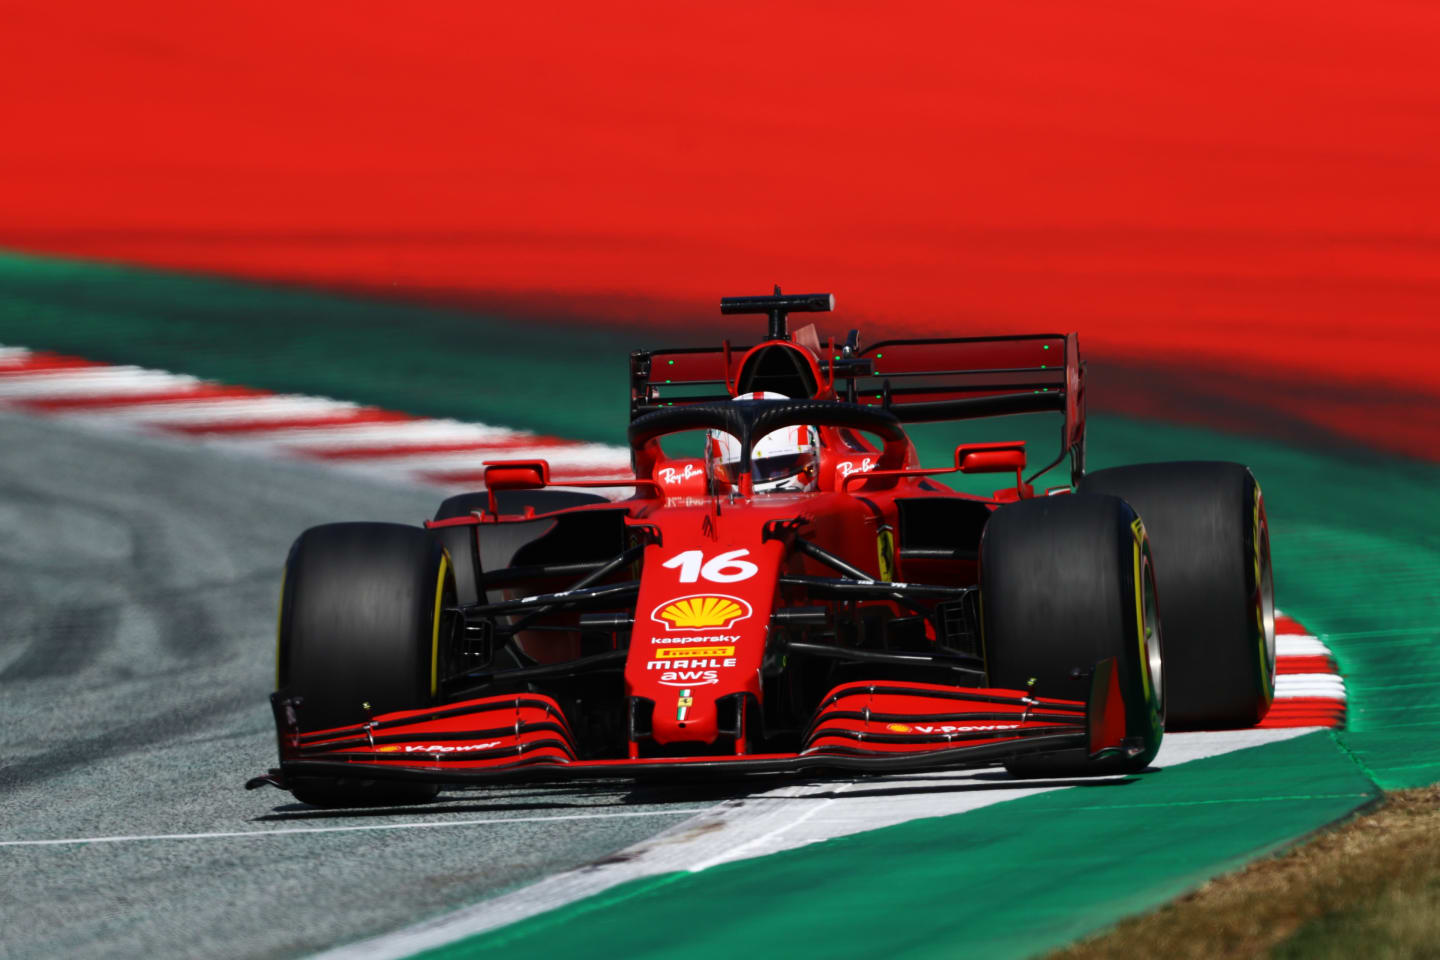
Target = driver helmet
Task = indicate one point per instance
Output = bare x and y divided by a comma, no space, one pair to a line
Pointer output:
785,459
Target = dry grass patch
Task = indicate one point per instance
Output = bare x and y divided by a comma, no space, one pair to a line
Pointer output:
1369,888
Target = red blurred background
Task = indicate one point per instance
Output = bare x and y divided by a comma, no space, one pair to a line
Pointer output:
1240,197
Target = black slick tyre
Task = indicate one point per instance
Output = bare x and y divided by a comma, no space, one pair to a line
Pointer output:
1065,582
362,633
1211,541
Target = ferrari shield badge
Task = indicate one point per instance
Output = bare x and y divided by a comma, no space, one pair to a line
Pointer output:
885,545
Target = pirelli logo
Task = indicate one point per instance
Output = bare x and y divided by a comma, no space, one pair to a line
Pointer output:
671,653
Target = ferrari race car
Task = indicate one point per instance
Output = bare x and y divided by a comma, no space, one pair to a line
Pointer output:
784,588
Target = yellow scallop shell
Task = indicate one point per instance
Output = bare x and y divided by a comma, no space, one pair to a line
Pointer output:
693,612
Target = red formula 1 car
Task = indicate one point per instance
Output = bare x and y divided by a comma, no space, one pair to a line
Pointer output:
787,589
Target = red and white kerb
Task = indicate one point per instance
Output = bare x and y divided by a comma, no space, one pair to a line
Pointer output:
1309,691
394,445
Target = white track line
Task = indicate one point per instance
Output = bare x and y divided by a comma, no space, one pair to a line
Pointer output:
249,834
770,841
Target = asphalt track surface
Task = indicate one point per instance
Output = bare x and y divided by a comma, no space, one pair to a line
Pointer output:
137,604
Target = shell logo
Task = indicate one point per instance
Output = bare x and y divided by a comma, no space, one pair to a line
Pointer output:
701,612
898,728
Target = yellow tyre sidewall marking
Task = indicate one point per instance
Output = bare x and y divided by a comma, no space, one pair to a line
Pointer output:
1262,648
1138,529
435,626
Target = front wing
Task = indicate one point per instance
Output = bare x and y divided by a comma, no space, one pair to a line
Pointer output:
879,727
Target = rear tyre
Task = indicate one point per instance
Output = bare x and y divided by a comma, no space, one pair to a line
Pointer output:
1211,541
361,634
1066,582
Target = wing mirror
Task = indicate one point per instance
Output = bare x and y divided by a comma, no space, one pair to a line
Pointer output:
996,458
517,475
990,457
969,458
535,474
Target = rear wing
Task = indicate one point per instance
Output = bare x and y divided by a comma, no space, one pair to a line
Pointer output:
925,380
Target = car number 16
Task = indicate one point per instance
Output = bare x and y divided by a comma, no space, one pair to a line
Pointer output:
721,568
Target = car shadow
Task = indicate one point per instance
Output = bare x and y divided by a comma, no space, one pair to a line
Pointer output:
715,791
574,798
612,794
916,789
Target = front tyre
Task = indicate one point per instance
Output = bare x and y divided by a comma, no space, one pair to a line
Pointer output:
1065,582
361,633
